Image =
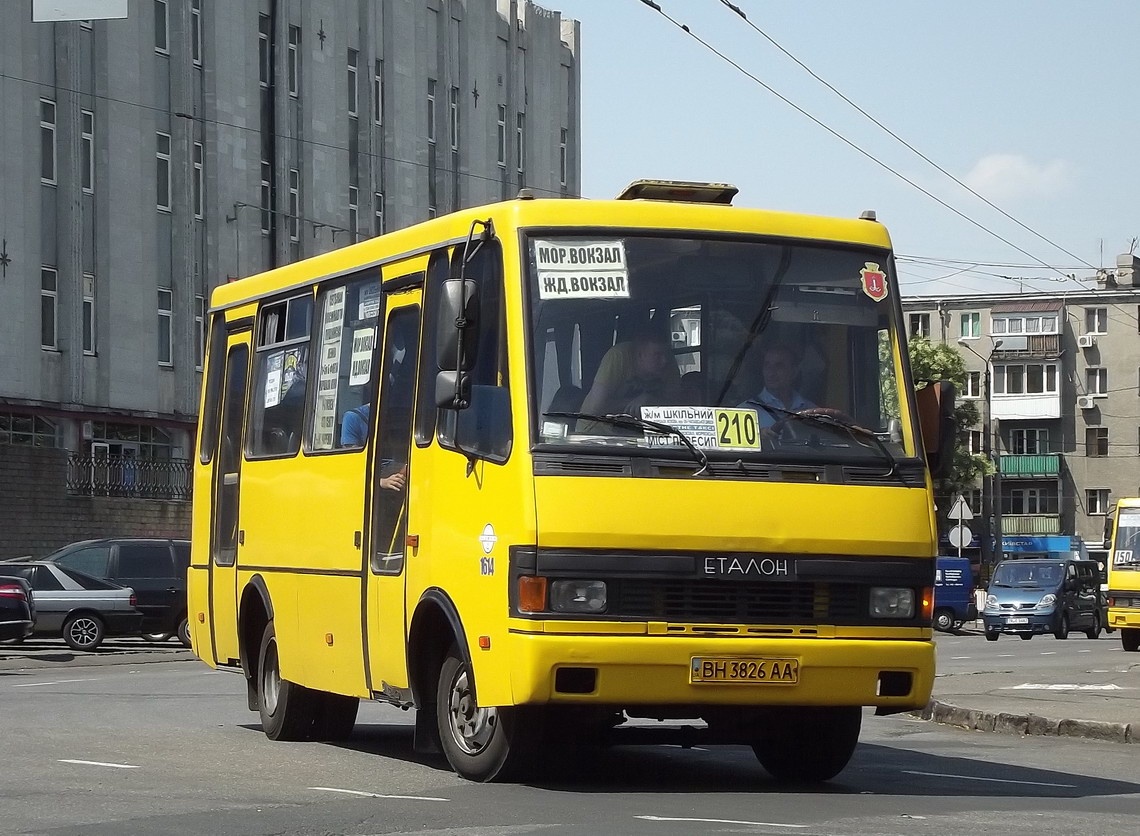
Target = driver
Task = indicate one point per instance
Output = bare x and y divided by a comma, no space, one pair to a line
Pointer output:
781,367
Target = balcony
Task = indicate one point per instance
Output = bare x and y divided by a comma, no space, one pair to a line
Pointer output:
1028,347
1030,524
1047,466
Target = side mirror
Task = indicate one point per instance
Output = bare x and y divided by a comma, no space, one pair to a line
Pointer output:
457,328
452,390
936,418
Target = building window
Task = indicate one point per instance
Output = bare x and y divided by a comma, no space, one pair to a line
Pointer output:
47,142
1096,501
196,187
263,49
378,94
1096,381
353,211
973,385
87,150
975,442
165,329
920,325
1096,442
161,41
27,430
1046,324
974,500
1028,501
971,325
431,110
353,99
199,332
162,174
49,285
502,136
196,31
266,197
294,57
88,313
520,142
1029,379
1029,442
1096,320
453,117
378,213
562,156
294,205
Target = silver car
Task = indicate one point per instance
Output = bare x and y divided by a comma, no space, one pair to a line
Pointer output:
82,609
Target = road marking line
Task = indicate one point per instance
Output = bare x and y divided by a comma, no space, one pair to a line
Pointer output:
719,821
56,682
1033,686
1084,651
991,780
378,795
1005,655
1048,652
99,763
959,657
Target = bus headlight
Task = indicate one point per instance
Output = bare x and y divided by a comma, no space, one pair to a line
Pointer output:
578,596
892,602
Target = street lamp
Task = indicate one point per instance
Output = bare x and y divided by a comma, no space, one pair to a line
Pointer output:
991,482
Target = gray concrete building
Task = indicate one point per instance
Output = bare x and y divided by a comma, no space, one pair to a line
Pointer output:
1064,375
145,160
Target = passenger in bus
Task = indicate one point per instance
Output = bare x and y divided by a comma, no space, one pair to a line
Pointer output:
354,433
639,372
781,367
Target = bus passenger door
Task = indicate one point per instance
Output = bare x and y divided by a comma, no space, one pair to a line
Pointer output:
392,446
225,536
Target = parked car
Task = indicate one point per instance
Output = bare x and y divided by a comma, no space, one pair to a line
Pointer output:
953,593
155,569
82,609
17,610
1029,597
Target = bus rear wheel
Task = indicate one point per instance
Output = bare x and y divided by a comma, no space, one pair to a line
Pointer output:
286,708
481,743
808,743
334,716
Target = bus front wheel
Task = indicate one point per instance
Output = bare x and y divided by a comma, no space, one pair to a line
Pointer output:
808,743
286,708
481,743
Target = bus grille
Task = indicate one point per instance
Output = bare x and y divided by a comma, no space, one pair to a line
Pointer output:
735,602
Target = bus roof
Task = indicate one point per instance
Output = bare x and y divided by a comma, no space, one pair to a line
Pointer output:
522,213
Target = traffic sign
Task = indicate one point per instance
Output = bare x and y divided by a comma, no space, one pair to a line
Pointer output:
961,536
960,510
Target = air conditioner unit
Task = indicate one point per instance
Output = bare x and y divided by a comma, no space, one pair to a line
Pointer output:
1086,341
1086,402
679,336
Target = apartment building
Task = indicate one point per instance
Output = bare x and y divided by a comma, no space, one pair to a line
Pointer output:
1063,402
146,159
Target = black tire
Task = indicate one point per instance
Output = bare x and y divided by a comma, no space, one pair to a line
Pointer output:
943,620
334,716
1025,636
1062,631
992,637
157,638
83,631
481,744
1130,639
183,632
1094,631
286,708
808,743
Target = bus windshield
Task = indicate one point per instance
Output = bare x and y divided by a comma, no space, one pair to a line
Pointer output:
1126,546
752,348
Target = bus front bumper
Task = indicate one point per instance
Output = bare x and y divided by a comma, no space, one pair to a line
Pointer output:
893,674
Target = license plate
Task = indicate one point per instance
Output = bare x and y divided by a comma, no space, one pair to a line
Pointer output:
758,670
1012,620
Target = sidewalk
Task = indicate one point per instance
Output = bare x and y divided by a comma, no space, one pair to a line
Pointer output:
1099,704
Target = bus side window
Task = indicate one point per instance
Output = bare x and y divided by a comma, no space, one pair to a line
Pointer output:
484,428
426,412
212,403
282,360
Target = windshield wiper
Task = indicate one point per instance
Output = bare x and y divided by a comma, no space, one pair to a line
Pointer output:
630,422
826,419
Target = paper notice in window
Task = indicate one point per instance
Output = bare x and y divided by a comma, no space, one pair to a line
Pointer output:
577,269
363,341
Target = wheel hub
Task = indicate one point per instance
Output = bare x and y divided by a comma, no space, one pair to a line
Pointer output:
471,727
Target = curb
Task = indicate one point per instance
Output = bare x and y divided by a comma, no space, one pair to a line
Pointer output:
1026,724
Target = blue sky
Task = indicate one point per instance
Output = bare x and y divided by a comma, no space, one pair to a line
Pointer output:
1032,104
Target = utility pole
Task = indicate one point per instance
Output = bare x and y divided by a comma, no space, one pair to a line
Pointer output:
991,482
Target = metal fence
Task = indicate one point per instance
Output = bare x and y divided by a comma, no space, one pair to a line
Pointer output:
138,478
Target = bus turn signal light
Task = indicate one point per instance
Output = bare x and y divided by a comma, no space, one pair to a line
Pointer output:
928,603
532,594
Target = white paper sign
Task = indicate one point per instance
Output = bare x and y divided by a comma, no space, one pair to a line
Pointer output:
581,269
363,341
273,379
707,427
369,307
332,324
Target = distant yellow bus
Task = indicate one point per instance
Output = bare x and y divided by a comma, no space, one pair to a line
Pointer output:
543,468
1124,573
